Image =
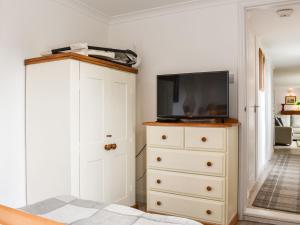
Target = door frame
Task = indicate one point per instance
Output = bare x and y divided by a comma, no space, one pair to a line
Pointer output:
243,7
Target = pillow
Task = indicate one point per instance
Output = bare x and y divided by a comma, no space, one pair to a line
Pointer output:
296,121
286,120
278,122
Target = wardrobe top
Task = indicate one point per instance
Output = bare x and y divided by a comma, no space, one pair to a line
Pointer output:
227,123
82,58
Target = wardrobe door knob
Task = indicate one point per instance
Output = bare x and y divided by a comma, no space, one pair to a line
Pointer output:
158,159
203,139
114,146
158,181
208,188
164,137
209,164
158,203
208,212
107,147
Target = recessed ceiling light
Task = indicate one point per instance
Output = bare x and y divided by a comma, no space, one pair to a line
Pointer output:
285,12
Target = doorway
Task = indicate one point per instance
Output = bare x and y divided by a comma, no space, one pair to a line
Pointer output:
272,43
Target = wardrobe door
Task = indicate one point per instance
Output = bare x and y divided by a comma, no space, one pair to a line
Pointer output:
121,160
94,92
106,119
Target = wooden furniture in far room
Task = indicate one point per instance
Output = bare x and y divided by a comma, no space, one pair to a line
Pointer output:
290,112
192,170
80,129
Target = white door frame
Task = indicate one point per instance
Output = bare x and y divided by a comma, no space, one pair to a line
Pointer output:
243,6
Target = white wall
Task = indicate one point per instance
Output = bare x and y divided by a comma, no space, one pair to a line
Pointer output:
264,114
280,92
196,39
285,78
27,28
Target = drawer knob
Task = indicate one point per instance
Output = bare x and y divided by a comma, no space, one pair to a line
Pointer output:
209,163
208,188
164,137
158,181
203,139
158,203
208,212
158,159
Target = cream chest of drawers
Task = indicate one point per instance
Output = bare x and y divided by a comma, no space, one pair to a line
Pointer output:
192,171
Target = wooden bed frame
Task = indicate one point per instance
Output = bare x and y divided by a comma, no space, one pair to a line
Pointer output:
9,216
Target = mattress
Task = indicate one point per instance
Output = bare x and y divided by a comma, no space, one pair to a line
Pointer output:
70,210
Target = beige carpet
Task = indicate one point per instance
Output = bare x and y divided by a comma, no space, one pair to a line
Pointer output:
281,189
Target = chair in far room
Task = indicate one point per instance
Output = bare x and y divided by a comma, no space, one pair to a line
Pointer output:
283,134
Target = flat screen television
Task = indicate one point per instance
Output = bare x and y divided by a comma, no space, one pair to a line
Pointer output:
193,95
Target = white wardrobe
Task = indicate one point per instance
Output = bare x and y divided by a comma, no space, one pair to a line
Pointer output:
80,130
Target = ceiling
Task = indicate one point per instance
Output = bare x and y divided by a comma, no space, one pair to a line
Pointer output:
281,36
119,7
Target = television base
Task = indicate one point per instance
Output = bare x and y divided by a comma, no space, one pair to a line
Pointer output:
200,120
204,120
168,120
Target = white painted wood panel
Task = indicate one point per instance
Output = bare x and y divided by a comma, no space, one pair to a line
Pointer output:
187,161
93,100
106,115
194,208
122,130
48,149
212,139
186,184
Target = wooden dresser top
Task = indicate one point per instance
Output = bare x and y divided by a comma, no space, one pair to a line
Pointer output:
82,58
227,123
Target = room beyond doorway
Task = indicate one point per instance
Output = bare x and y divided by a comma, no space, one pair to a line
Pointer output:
273,154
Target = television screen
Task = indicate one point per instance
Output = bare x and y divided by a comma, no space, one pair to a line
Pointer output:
193,95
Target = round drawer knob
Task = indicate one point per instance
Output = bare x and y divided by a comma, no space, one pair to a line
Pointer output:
208,188
158,159
107,147
203,139
158,181
209,163
158,203
208,212
164,137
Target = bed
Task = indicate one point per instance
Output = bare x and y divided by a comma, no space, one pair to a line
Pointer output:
70,210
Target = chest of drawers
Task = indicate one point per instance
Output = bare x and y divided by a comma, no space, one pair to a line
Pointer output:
192,171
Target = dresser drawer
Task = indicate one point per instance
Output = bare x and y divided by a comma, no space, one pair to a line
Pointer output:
205,138
195,208
165,136
186,184
211,163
